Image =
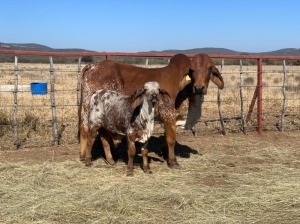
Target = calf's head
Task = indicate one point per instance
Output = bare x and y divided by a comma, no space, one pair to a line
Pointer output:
151,92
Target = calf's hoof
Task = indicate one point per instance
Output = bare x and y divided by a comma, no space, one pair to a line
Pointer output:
129,173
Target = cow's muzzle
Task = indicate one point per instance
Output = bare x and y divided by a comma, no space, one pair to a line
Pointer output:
199,89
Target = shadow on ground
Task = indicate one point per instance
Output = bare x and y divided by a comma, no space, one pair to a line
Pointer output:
158,150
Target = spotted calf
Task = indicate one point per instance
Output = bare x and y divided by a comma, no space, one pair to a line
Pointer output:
120,115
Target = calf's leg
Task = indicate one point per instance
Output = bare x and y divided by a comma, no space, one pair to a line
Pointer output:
146,166
131,154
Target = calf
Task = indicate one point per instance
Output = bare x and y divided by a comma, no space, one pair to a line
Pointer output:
120,115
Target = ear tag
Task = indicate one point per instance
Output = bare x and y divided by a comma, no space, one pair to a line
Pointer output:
187,78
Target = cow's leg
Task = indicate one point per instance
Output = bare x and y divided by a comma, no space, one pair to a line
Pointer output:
83,141
131,154
105,139
168,116
91,136
170,132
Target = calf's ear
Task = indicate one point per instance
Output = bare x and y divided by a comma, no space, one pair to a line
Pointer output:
137,98
165,96
216,77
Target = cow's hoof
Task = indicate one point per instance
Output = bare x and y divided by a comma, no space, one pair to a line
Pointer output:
88,164
148,171
111,162
81,158
174,166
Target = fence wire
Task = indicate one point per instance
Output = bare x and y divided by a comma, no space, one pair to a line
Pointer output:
34,117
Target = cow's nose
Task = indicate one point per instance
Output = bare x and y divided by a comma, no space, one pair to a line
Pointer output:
199,89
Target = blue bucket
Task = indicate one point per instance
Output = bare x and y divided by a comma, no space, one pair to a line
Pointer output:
38,88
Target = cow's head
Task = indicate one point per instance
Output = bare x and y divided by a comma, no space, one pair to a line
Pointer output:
201,71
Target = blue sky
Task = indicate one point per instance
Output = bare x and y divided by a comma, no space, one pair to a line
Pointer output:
145,25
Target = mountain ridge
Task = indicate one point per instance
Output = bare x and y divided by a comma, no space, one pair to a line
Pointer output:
206,50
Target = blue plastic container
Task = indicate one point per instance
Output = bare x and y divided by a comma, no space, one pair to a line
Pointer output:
38,88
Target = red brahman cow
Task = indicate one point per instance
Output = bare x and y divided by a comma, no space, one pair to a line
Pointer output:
172,78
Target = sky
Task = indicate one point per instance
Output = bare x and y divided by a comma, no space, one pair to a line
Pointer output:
152,25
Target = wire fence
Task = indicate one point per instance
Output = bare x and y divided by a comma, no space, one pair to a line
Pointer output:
28,119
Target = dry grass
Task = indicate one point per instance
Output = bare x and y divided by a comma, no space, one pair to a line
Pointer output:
246,179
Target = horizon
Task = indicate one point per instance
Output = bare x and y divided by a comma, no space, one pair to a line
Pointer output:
20,44
139,26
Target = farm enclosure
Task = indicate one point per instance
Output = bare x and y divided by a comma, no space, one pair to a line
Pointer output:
235,178
35,120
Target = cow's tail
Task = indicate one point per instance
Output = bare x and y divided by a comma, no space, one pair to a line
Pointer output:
87,67
79,116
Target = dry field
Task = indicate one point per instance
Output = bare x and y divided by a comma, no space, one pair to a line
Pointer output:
235,178
223,179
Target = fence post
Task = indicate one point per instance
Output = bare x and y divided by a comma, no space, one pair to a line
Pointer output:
108,57
259,96
15,108
219,104
284,96
241,96
53,106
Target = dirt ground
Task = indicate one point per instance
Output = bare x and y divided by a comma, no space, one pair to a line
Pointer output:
205,143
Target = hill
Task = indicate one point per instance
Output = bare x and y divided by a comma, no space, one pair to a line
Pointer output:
206,50
37,47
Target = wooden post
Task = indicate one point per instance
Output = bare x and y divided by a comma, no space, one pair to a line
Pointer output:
284,96
259,96
251,105
219,104
15,107
241,96
78,82
53,106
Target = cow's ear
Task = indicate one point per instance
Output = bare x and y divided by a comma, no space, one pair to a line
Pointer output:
185,80
137,98
216,77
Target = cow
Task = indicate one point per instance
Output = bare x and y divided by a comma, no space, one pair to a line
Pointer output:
182,78
121,115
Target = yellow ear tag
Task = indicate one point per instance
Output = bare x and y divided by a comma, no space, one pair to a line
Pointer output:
187,78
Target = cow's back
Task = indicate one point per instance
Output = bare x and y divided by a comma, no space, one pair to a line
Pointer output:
128,78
